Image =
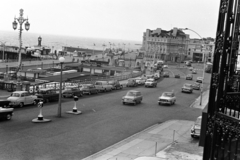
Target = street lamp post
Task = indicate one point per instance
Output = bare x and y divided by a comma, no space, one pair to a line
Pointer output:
61,60
21,21
203,62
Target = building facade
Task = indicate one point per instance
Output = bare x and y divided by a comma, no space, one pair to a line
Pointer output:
165,45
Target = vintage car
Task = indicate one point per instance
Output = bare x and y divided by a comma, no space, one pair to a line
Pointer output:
165,74
167,98
194,71
199,79
132,83
196,86
189,77
187,88
6,113
115,83
196,128
151,83
47,95
140,80
177,75
4,103
71,91
132,97
103,86
89,89
21,98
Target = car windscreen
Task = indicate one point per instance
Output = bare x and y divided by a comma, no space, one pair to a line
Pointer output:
131,94
167,94
15,95
187,85
198,121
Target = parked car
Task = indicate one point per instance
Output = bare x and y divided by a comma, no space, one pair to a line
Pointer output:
167,98
140,80
196,128
189,77
47,95
165,66
103,86
89,89
4,103
6,113
21,98
165,74
115,84
156,76
177,75
133,97
150,76
132,82
194,71
151,83
187,88
199,79
196,86
71,91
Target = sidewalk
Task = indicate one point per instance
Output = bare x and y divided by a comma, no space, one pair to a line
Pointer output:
169,140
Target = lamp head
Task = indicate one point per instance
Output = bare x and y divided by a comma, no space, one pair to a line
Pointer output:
14,24
27,25
61,59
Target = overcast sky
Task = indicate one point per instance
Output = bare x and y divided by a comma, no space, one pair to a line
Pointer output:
115,19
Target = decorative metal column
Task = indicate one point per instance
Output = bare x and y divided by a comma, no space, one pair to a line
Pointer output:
222,139
21,21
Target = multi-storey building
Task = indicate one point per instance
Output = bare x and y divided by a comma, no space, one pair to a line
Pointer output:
199,50
165,45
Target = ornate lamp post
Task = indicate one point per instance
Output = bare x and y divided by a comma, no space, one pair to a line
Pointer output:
61,60
203,61
21,21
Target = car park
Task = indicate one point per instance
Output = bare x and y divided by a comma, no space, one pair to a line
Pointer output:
132,83
189,77
103,86
194,71
6,113
47,95
140,80
196,86
196,128
199,79
187,88
165,74
167,98
71,91
151,83
132,97
21,98
115,83
89,89
177,75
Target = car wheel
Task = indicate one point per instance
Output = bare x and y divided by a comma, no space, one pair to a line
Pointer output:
159,103
192,136
21,105
89,93
96,91
123,103
34,102
9,116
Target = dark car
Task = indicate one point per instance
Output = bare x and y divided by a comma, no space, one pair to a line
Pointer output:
72,91
189,77
47,95
4,103
132,97
6,113
115,84
132,83
177,75
196,86
89,89
165,74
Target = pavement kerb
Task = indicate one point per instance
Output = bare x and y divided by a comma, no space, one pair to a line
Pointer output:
128,139
198,98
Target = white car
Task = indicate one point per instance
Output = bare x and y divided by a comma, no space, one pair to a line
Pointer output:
199,79
196,128
140,81
167,98
165,66
21,98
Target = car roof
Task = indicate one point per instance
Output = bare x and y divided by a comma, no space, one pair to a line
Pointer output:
133,91
20,92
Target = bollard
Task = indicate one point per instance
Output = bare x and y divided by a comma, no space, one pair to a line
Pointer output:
40,118
75,110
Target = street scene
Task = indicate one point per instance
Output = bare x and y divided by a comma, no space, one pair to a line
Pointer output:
107,86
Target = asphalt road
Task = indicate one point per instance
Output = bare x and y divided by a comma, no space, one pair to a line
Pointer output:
105,121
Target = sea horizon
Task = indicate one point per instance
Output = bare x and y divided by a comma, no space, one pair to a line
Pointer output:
55,42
